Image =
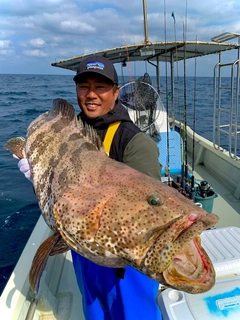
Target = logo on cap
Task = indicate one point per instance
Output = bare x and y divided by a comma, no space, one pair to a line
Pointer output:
95,65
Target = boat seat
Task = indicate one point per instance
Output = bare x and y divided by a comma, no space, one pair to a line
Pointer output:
175,150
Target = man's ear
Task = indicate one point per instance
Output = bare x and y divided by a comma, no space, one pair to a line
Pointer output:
116,92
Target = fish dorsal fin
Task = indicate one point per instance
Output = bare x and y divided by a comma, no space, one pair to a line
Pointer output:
90,134
63,107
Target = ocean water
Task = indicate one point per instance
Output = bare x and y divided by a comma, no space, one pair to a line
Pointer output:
22,99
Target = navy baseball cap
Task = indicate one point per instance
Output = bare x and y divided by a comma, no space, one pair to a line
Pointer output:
99,65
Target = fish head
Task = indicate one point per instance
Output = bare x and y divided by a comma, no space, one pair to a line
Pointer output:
171,225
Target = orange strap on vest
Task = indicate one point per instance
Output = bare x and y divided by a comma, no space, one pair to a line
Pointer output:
109,136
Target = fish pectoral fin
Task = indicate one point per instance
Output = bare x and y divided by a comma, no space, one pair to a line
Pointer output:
60,247
40,259
16,146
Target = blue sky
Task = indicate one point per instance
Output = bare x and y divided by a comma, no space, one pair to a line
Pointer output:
34,33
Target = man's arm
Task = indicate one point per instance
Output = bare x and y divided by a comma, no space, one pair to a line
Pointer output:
141,153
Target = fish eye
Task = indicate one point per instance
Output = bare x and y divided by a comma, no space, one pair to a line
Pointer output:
154,199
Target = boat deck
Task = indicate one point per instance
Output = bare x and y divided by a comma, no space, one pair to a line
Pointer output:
226,206
59,296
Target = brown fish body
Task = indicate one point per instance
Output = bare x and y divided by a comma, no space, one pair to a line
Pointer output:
111,213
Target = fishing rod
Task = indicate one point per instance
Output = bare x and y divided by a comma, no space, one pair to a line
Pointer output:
192,193
184,173
176,59
167,169
178,90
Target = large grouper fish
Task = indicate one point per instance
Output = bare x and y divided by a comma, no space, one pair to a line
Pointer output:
107,211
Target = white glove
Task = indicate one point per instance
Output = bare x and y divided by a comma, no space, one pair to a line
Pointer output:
24,167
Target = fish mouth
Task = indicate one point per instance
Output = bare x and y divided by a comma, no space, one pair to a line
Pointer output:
182,263
191,269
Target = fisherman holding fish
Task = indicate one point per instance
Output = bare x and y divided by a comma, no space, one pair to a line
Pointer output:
116,216
112,293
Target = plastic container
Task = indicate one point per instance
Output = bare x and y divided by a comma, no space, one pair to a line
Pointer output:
207,202
223,247
221,302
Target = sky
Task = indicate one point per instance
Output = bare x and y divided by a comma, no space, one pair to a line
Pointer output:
34,33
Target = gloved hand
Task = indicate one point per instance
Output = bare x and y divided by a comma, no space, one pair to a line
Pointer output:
24,167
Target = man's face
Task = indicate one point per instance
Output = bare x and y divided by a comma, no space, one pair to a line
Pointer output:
96,95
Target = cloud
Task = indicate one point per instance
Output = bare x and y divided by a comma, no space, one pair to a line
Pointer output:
5,52
34,53
5,44
76,26
57,29
5,48
38,42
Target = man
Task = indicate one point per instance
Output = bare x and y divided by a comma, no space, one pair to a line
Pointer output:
110,293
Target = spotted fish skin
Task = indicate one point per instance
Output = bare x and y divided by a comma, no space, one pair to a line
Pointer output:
111,213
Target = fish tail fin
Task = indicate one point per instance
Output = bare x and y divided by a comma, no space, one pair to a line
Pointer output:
16,146
40,259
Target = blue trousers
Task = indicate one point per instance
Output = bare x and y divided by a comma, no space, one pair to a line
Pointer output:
107,297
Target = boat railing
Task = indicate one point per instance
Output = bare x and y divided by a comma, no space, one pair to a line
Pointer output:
226,117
